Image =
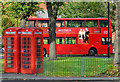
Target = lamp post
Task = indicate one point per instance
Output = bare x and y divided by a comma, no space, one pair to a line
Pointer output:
108,31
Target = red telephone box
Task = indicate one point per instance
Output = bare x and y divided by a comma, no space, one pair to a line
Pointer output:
38,37
11,42
31,51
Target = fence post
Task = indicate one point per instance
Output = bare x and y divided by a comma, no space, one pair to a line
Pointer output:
82,67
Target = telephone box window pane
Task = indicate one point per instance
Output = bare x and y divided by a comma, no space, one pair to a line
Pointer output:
10,38
38,50
9,66
26,62
38,41
38,59
68,40
29,39
10,54
9,42
38,46
39,62
26,46
26,54
10,58
26,42
38,66
26,51
26,66
9,50
38,54
9,46
73,40
9,62
24,38
26,58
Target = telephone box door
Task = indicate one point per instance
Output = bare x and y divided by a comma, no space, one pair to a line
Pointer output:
26,54
10,54
39,54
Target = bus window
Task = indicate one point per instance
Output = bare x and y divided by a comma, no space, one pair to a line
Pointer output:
31,23
59,23
68,23
68,40
78,23
91,23
43,23
59,40
103,23
104,41
73,40
45,40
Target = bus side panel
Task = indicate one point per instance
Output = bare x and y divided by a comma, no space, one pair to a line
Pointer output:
74,49
95,42
46,46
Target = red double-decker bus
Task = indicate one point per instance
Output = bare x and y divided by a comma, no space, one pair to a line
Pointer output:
75,36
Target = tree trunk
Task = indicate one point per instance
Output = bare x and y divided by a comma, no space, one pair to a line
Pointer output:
116,57
52,38
119,44
52,28
23,23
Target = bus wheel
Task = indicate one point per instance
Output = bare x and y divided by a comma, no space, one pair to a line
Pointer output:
92,52
44,52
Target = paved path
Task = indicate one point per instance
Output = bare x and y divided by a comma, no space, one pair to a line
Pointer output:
34,77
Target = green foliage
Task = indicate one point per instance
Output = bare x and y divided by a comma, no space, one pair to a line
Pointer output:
84,10
7,22
20,10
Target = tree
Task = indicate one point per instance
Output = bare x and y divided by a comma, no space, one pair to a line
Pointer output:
7,21
84,10
117,30
52,8
21,10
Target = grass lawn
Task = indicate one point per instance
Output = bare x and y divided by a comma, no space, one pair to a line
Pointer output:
1,65
72,66
76,66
